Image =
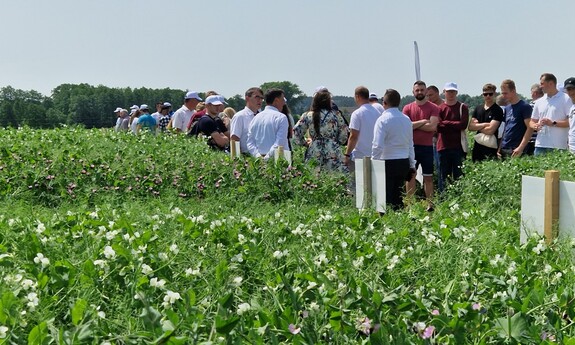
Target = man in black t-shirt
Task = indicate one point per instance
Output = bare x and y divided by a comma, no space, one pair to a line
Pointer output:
212,126
486,119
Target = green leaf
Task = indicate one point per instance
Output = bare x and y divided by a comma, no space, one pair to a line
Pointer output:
513,327
225,326
151,317
227,301
39,335
78,311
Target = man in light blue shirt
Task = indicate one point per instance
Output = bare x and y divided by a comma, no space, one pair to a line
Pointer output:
393,143
268,130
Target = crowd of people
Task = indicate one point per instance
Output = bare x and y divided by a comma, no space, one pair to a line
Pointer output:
430,132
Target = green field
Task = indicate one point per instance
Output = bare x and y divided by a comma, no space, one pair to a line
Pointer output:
109,238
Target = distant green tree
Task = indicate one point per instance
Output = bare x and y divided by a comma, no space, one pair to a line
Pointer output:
237,102
294,95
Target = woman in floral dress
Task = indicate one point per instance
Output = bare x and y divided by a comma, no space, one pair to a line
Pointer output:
323,131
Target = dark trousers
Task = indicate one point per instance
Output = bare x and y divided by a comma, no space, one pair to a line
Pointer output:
395,172
451,161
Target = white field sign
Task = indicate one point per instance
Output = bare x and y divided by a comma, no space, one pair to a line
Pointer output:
280,153
375,169
533,207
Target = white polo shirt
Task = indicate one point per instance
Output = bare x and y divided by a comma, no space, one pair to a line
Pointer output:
182,117
393,137
378,106
240,126
555,108
572,129
268,130
363,120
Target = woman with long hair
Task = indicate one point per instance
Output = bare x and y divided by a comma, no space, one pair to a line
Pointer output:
326,130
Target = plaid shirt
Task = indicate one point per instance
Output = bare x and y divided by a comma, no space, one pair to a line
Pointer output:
163,123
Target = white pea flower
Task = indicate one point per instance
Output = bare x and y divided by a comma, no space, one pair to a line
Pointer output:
11,223
238,281
147,269
358,263
3,331
163,256
28,284
101,314
243,307
192,272
170,298
392,262
33,300
41,259
154,282
321,259
93,215
238,258
100,263
174,248
109,252
547,268
40,228
539,248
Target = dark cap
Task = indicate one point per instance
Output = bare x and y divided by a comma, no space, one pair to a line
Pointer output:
569,83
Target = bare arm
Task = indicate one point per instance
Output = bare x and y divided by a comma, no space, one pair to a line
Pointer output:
526,137
220,139
431,125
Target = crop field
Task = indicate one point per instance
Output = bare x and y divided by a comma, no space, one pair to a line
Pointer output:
109,238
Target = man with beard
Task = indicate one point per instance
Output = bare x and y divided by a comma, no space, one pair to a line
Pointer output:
424,116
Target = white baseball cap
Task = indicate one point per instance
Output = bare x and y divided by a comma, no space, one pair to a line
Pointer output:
118,109
144,107
451,86
192,94
134,107
215,100
372,96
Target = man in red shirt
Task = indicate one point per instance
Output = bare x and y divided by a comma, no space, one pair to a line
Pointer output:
424,116
453,118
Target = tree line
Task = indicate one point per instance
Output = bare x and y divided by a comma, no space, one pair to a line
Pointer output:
93,106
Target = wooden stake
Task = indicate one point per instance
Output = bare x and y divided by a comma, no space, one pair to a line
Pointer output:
551,217
233,153
367,182
280,152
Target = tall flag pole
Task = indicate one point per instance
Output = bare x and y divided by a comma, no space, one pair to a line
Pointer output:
417,70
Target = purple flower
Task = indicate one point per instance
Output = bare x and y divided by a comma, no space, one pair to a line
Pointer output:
365,326
292,329
428,332
435,312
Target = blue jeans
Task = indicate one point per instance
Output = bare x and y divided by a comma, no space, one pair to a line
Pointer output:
543,150
437,165
450,161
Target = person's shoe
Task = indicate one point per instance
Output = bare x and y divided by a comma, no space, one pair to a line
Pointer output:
430,208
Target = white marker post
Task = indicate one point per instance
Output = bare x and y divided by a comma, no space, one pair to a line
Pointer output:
553,215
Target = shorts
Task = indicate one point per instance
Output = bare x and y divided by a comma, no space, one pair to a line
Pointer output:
424,157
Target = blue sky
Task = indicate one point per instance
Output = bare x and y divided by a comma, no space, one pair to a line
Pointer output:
230,45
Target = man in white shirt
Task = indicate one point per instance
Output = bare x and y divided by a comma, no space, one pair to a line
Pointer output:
240,123
375,102
182,116
361,125
393,143
569,87
550,117
268,130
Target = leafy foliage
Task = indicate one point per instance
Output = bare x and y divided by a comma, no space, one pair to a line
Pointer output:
260,253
